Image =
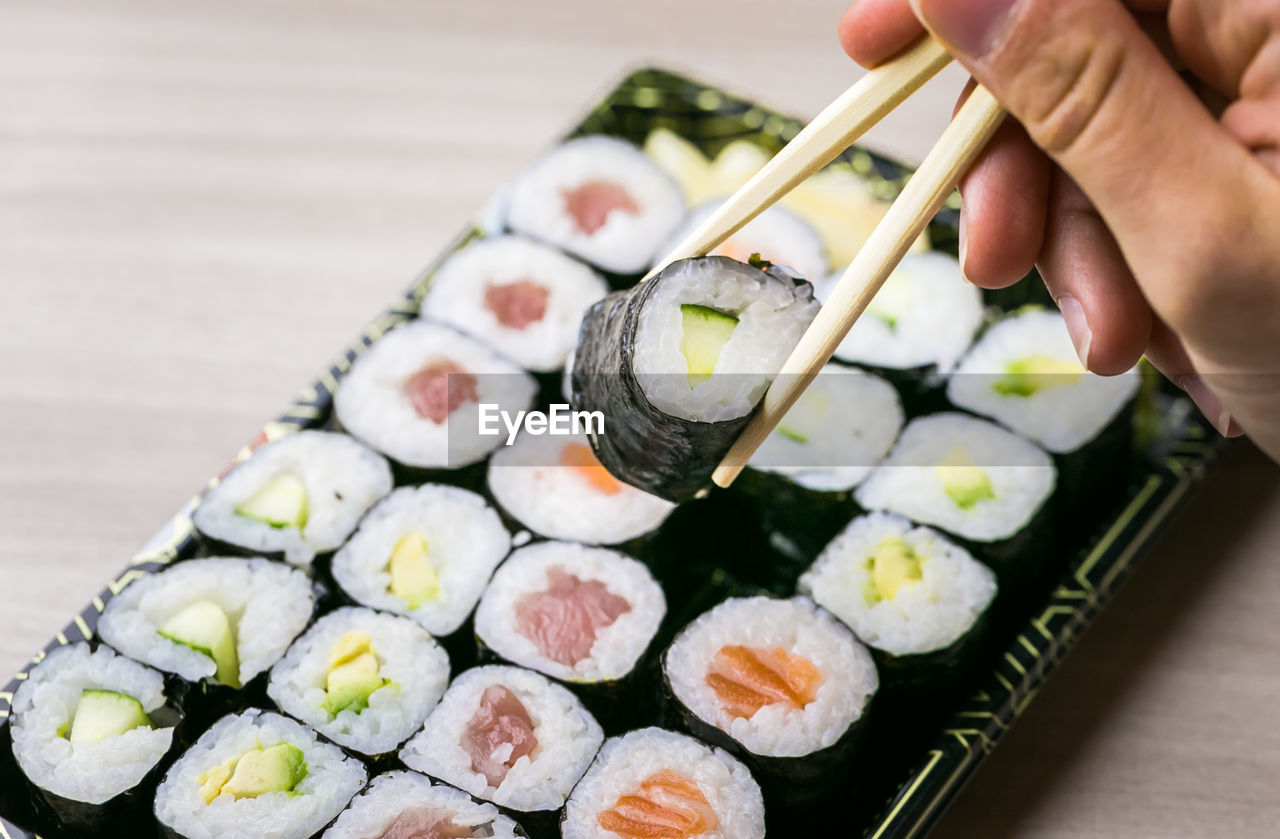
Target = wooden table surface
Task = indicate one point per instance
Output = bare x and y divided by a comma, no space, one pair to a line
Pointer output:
200,202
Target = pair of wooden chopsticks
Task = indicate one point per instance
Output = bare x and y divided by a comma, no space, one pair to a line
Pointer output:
832,131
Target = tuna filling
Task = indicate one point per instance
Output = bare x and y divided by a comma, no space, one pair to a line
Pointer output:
564,620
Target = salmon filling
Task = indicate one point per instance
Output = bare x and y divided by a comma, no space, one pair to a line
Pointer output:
564,621
422,823
747,678
580,458
499,722
518,304
591,203
667,806
439,389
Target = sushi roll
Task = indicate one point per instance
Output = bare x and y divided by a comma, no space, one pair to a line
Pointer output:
600,199
653,782
426,553
777,235
677,365
970,478
406,805
557,488
299,496
903,590
254,775
782,678
364,679
916,328
525,299
224,620
415,395
573,612
508,736
88,729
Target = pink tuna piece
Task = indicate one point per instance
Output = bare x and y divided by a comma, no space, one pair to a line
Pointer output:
423,823
564,620
500,720
518,304
439,388
592,202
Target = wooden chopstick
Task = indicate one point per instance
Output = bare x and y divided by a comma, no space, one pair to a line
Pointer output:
906,219
831,132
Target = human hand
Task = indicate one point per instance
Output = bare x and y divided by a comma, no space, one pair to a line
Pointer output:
1142,177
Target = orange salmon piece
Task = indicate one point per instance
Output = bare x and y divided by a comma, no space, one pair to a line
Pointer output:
667,806
583,461
748,678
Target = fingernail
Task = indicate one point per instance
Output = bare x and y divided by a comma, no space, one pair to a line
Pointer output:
1077,326
1209,405
970,26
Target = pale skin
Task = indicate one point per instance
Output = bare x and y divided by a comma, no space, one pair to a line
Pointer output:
1140,173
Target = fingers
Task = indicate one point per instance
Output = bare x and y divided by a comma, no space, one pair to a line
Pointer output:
873,31
1257,124
1109,319
1167,355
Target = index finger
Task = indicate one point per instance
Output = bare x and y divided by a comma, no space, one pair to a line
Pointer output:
873,31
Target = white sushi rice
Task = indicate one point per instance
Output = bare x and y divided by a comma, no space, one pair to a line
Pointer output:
799,628
617,647
626,243
557,501
459,291
929,614
414,667
268,604
908,482
372,404
342,479
44,707
568,738
376,809
925,314
332,779
777,235
844,423
465,542
1062,416
626,762
771,319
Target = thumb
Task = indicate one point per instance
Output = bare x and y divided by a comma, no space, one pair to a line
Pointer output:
1095,93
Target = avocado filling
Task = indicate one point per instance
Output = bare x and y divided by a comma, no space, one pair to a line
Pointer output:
205,628
963,481
893,567
282,502
704,333
805,419
105,713
1028,376
353,674
413,579
279,768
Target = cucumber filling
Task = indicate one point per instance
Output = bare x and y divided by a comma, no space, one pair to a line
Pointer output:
1026,377
105,713
893,567
704,333
281,503
965,483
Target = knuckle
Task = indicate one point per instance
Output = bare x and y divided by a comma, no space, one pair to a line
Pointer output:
1067,88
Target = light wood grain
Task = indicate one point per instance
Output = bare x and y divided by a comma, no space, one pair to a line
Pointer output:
901,226
199,202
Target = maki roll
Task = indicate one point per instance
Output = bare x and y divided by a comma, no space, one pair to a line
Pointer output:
677,365
916,328
970,478
426,553
405,805
555,486
364,679
524,298
508,736
255,775
782,678
88,727
299,496
776,235
415,395
225,620
598,198
653,782
903,590
576,613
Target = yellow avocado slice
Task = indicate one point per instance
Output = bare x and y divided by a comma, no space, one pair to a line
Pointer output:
413,579
893,567
1028,376
278,768
353,674
282,502
205,628
704,333
963,481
